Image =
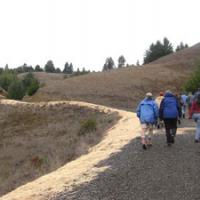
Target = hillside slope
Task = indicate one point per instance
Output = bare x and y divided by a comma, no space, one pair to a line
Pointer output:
38,138
85,167
118,168
121,88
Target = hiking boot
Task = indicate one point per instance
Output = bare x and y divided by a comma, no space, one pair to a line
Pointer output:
172,140
196,141
169,144
144,146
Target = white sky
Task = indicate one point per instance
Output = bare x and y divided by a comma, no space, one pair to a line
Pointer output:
85,32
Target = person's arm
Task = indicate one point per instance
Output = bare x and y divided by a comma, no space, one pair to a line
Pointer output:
191,111
156,112
179,109
161,110
138,110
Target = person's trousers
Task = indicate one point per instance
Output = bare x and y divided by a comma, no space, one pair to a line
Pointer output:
196,117
146,133
183,109
171,128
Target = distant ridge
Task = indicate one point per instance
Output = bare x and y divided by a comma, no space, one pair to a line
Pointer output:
122,88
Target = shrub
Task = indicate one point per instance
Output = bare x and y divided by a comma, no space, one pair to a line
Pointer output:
37,162
32,89
27,80
6,79
31,84
87,126
66,76
194,82
16,90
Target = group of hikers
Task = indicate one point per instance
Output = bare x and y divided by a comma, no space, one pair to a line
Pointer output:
166,111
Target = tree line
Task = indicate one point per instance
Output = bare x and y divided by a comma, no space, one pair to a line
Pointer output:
49,68
155,51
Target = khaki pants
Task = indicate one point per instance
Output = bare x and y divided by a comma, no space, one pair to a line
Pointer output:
146,133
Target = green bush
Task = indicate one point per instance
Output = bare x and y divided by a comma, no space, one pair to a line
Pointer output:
16,90
27,80
31,84
32,89
6,79
87,126
194,82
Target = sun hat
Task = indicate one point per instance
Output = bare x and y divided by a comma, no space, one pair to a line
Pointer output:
149,94
168,91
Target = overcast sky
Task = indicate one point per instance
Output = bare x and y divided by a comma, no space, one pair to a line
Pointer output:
85,32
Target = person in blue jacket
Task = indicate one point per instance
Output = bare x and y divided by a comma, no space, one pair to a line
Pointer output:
169,112
147,112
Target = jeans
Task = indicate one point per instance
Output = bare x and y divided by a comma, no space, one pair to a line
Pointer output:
170,127
196,117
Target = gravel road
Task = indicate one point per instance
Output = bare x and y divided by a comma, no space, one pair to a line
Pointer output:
160,173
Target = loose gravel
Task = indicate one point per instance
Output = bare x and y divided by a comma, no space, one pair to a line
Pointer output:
159,173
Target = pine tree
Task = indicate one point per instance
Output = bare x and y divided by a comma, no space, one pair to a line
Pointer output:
138,63
38,68
181,46
68,68
158,50
121,61
58,70
109,64
49,67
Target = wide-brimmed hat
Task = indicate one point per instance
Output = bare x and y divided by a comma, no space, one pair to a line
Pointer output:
149,94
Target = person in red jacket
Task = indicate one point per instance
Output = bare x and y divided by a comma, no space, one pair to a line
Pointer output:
195,114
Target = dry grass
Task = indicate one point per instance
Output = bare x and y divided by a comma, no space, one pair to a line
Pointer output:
121,88
37,139
84,168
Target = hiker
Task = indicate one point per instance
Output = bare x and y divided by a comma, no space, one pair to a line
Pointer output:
169,112
184,104
158,101
195,114
196,94
180,103
190,100
147,112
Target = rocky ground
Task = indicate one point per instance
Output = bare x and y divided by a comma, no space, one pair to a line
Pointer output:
161,172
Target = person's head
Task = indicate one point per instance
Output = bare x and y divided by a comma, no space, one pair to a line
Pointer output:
176,95
161,93
198,89
168,92
149,95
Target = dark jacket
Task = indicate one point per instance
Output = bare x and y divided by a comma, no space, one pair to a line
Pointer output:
169,108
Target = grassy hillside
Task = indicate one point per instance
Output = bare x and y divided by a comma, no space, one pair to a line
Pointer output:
121,88
37,139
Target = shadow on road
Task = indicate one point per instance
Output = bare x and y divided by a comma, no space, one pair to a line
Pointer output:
158,173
